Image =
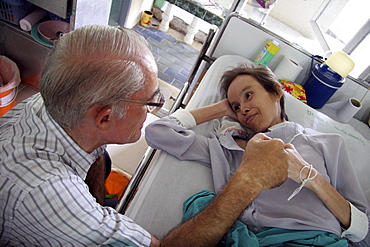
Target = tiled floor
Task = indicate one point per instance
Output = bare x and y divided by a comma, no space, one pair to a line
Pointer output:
174,58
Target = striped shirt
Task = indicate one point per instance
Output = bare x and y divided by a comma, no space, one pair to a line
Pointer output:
43,198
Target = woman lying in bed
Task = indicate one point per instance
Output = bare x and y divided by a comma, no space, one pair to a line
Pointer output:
322,194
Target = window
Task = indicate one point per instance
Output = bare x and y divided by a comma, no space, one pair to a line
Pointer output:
337,25
345,25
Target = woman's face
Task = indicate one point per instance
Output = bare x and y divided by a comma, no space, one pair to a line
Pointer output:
255,108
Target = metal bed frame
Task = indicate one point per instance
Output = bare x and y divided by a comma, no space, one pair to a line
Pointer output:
204,58
143,166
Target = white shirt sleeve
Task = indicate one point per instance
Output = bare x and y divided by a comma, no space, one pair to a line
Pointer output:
359,227
185,117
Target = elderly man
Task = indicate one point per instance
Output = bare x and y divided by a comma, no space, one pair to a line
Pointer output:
97,87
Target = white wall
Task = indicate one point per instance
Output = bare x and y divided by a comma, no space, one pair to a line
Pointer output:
296,14
241,38
136,10
92,12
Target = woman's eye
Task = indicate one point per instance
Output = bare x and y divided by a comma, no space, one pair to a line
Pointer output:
248,95
237,108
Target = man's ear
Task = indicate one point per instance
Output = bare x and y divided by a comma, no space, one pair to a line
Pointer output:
103,117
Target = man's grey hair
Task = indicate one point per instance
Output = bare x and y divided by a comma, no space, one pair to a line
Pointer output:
93,64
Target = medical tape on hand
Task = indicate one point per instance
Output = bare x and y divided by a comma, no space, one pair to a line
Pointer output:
304,181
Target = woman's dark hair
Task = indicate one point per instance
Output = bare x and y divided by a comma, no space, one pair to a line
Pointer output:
262,74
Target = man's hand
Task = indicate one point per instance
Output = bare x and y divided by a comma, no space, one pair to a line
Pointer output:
264,166
155,242
265,161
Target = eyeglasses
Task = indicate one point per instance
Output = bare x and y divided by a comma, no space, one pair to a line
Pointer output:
152,106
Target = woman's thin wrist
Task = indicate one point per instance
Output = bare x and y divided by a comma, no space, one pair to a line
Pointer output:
315,183
208,113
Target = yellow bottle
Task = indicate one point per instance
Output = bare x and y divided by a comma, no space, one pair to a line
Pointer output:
267,53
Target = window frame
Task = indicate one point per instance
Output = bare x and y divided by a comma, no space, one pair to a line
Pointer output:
364,78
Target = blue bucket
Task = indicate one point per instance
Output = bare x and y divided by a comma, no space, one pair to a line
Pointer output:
321,85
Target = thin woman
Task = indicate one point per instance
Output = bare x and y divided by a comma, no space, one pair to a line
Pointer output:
318,196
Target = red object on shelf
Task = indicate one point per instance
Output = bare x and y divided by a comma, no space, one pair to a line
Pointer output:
10,79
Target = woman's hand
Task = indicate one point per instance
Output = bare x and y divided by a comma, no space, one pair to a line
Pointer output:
296,163
224,104
335,202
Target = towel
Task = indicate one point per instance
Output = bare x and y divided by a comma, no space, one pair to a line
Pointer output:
240,236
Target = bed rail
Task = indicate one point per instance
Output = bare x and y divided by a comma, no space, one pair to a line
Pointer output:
135,180
202,57
144,164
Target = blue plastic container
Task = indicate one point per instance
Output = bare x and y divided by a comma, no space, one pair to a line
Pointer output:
14,10
321,85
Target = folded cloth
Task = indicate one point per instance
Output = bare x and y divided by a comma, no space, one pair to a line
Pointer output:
294,89
240,236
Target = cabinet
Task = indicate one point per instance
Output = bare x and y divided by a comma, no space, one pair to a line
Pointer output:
58,7
21,48
28,54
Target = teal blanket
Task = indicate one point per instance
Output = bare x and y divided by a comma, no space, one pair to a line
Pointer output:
240,236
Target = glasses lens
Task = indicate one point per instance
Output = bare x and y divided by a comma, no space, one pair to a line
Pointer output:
161,100
158,98
152,109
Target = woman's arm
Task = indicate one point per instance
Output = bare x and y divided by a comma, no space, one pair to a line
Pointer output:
174,135
334,201
169,133
323,189
347,214
216,110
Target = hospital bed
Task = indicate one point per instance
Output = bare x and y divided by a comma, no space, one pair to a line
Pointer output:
157,203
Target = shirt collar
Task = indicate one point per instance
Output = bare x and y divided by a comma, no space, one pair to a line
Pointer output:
73,155
276,126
